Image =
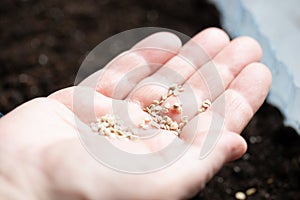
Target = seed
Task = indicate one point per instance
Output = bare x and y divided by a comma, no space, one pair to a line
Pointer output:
204,106
250,191
164,97
167,127
240,196
110,126
206,103
147,119
159,118
157,112
169,120
173,87
181,89
157,108
112,130
119,132
148,110
200,110
141,124
162,126
107,131
156,102
168,105
165,110
174,126
176,105
181,125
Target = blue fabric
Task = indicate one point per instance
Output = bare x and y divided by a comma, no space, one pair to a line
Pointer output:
1,114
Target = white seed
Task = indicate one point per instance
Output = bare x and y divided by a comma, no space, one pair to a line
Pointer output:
167,127
147,119
165,110
159,118
181,89
162,126
200,110
107,131
240,196
174,126
156,102
164,97
168,105
157,108
206,103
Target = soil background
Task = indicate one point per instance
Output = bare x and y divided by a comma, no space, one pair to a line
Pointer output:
44,42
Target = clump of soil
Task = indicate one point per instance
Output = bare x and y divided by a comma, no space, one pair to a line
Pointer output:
44,42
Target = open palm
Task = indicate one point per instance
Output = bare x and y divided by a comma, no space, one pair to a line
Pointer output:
44,131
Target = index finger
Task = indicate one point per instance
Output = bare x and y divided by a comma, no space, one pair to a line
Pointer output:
132,66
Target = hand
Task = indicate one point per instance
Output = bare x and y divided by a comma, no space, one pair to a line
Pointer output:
40,137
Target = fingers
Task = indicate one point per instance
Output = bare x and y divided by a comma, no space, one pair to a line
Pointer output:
245,95
118,78
195,53
215,76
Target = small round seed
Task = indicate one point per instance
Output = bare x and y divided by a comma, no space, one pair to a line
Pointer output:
174,126
107,131
147,119
206,104
165,110
168,105
156,102
162,126
141,124
240,196
167,127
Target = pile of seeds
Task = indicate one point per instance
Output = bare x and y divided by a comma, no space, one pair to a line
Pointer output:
159,113
112,126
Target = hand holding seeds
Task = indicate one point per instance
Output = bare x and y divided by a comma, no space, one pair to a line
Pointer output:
179,96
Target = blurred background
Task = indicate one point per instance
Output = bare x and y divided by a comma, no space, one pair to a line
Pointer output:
44,42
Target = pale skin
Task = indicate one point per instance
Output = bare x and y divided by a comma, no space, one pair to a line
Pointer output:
41,155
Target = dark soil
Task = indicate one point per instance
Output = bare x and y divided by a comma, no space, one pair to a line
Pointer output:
44,42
